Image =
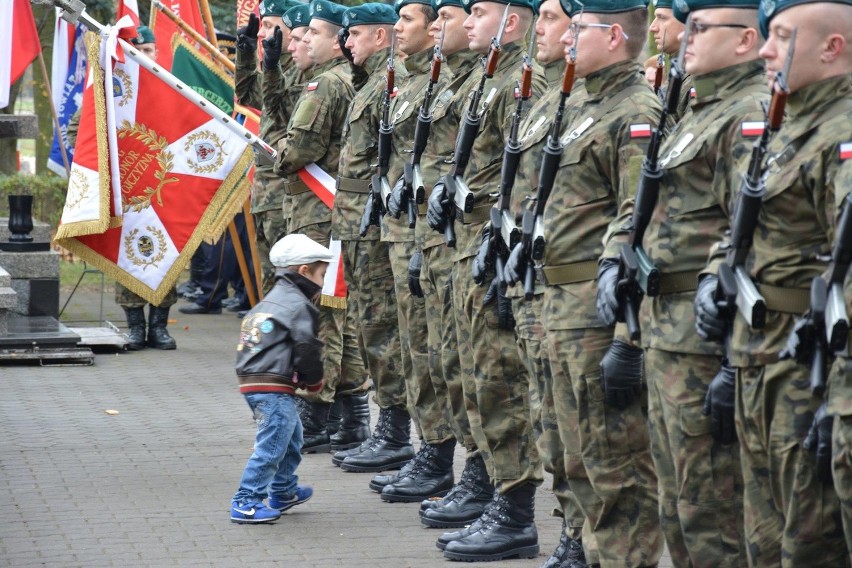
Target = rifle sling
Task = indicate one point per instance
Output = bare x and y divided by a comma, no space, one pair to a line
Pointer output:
785,300
582,271
676,282
353,185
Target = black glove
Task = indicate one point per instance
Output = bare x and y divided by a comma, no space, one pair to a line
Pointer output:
719,405
272,49
342,38
515,266
369,218
606,299
414,266
435,214
709,322
496,294
819,441
621,374
247,35
483,262
800,342
394,203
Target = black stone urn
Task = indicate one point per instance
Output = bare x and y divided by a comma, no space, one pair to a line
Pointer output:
20,218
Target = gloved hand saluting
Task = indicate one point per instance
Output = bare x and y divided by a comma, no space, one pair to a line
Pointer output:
247,35
272,49
621,374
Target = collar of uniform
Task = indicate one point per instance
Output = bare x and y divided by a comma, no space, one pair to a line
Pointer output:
377,60
323,67
553,72
814,98
613,78
420,62
510,56
463,61
723,83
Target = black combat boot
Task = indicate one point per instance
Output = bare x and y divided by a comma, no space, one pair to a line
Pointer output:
136,333
335,417
158,335
354,423
391,451
378,482
378,432
314,422
431,475
477,524
468,501
509,532
569,552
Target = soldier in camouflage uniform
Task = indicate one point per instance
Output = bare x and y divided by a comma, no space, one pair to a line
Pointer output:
604,140
313,137
498,405
431,472
467,499
700,479
260,85
368,271
552,22
792,518
666,27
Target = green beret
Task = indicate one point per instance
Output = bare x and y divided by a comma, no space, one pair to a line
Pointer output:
275,7
143,35
770,8
682,8
438,4
566,6
607,6
400,4
297,16
662,4
328,11
369,13
531,4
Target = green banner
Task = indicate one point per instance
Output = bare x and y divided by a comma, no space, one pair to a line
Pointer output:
202,74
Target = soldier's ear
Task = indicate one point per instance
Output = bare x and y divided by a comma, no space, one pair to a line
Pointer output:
749,41
835,46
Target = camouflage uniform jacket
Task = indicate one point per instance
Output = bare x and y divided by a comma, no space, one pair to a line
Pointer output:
405,111
533,137
268,192
314,136
483,171
807,179
447,109
597,176
703,161
359,154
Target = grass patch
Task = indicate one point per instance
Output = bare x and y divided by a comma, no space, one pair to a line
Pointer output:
70,272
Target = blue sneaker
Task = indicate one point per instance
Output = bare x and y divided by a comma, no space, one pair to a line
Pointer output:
302,494
253,513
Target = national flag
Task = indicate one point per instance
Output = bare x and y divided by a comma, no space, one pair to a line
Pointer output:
164,29
19,43
324,187
752,128
128,8
692,93
175,170
640,130
846,150
312,86
68,76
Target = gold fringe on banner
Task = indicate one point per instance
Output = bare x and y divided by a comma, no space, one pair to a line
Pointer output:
334,302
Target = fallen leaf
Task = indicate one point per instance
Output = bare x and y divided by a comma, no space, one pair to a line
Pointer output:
112,412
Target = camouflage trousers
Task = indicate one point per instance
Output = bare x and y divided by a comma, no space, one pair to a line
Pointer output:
840,404
610,470
700,480
545,427
498,406
341,358
127,299
423,406
791,519
271,226
444,371
372,301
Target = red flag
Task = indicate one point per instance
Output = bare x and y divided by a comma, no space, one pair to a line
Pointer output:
164,28
19,43
176,170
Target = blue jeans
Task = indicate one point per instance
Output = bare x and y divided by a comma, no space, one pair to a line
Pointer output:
270,470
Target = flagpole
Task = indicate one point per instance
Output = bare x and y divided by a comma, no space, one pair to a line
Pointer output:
73,10
241,260
53,113
208,22
188,30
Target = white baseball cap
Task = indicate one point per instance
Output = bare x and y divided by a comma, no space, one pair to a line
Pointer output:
298,249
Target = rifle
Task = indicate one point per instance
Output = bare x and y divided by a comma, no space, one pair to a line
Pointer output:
637,274
532,224
505,234
661,65
379,185
413,189
456,192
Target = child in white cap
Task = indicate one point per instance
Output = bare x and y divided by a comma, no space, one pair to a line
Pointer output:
279,351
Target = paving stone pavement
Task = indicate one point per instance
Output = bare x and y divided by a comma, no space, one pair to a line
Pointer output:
151,486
